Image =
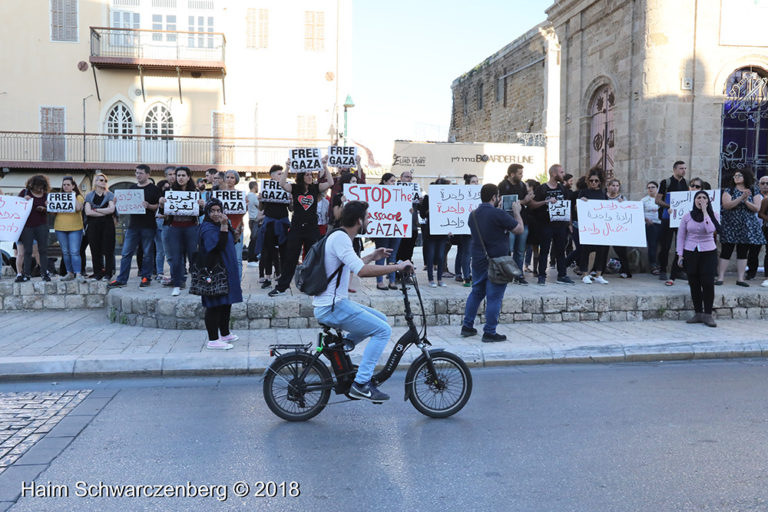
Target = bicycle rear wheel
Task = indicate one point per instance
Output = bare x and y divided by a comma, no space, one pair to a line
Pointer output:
287,395
446,392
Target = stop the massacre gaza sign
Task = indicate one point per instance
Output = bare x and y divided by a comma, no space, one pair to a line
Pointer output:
389,208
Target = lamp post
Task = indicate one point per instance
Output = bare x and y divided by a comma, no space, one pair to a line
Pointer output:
348,103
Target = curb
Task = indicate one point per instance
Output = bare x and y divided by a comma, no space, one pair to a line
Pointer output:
249,363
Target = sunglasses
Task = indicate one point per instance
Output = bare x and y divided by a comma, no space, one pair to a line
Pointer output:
594,181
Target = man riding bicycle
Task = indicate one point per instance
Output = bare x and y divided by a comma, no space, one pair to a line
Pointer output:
333,307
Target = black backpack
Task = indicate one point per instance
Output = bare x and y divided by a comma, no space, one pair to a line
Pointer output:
310,274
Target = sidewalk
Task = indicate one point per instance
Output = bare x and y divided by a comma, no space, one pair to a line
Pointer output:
83,343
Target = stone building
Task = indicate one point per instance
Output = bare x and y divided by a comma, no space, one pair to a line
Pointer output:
512,95
648,82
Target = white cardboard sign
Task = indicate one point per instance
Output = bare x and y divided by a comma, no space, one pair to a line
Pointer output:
61,202
616,223
14,212
272,192
450,206
129,201
414,187
233,201
388,208
182,203
560,210
342,157
682,202
305,160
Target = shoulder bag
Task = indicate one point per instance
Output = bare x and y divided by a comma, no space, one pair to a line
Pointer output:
502,269
209,276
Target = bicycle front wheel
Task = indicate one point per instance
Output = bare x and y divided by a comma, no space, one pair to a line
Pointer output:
291,397
443,393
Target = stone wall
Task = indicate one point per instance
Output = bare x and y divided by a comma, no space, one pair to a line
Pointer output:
56,295
258,312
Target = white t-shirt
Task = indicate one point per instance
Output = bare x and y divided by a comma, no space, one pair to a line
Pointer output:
338,250
651,209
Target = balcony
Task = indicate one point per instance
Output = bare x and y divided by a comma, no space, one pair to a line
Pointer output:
157,49
102,151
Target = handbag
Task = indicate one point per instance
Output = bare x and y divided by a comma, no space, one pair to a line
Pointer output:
209,276
502,269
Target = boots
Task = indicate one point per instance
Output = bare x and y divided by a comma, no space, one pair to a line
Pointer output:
695,319
708,320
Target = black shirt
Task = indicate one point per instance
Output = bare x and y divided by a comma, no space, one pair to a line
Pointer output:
146,221
305,206
674,186
589,194
544,193
275,210
521,189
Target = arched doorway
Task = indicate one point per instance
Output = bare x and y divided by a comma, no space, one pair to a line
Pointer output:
745,122
159,146
602,135
120,143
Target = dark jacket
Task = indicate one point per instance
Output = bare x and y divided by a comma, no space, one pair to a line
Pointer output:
212,239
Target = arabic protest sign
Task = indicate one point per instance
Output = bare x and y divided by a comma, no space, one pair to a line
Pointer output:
232,200
178,202
560,210
272,192
413,187
129,201
682,202
388,208
305,160
61,202
611,223
342,156
450,206
13,215
508,201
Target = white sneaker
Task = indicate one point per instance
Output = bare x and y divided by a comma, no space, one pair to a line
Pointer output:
601,280
229,337
176,292
586,280
219,345
765,283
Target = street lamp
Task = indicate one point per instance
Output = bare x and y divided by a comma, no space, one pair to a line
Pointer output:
348,103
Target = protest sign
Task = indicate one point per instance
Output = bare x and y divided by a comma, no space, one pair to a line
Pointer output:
272,192
178,202
682,202
508,201
413,187
611,223
450,206
61,202
305,160
14,212
129,201
232,200
342,156
388,208
560,210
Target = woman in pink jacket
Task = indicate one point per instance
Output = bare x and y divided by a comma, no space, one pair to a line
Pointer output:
697,253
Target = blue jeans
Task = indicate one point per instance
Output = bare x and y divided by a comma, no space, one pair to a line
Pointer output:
134,237
483,288
434,248
517,246
463,257
182,241
239,256
359,322
652,233
390,243
70,249
160,243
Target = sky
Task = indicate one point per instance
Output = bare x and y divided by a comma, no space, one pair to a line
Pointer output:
406,54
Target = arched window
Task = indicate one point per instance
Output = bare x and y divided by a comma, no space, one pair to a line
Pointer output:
159,122
601,140
120,122
745,122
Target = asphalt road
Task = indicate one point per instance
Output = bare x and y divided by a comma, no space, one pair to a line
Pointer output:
656,437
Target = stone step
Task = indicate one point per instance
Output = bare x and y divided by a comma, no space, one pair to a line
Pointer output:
38,294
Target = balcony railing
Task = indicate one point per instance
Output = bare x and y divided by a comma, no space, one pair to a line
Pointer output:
159,48
18,148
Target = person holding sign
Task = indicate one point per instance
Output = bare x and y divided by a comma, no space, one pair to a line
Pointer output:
273,232
613,193
36,227
304,224
387,243
100,212
741,227
141,230
593,191
675,183
69,231
697,253
433,245
550,233
182,230
228,183
254,217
